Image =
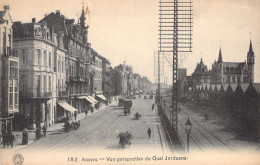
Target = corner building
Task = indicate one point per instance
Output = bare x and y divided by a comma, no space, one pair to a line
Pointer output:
42,72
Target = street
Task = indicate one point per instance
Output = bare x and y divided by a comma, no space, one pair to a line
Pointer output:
99,132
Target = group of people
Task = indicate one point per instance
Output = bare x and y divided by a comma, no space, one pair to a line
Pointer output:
38,132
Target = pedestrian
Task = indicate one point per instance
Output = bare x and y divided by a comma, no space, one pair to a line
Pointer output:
11,139
149,132
38,133
152,106
75,115
25,137
86,112
44,129
206,117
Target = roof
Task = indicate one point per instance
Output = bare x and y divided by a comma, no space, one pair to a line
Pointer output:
257,87
233,87
217,87
244,86
225,86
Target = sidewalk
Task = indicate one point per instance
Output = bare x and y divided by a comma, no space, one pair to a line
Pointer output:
54,128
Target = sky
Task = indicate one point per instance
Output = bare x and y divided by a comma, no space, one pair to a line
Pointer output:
127,30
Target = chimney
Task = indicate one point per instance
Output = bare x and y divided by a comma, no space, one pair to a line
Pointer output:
58,12
33,20
6,7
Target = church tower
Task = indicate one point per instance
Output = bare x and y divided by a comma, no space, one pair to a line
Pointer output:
82,18
220,56
251,62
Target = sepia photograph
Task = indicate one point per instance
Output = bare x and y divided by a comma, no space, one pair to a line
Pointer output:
129,82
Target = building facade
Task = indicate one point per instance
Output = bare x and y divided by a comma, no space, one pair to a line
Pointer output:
225,72
106,78
121,79
77,56
233,72
9,72
42,71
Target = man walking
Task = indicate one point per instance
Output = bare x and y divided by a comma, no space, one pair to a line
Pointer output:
153,106
44,129
149,132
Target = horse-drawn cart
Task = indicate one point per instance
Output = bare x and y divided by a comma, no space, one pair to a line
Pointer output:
125,139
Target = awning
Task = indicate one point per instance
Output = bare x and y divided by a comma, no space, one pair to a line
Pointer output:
88,99
102,97
67,107
92,99
81,97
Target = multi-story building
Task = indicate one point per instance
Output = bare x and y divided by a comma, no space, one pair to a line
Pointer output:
201,75
97,76
233,72
136,80
106,78
42,71
225,72
77,56
130,80
9,72
121,79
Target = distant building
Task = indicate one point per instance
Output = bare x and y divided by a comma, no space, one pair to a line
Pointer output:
121,79
225,72
233,72
106,78
201,75
9,72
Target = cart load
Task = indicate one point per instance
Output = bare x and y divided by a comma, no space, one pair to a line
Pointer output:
124,139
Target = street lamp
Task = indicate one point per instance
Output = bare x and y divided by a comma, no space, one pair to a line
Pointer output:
188,126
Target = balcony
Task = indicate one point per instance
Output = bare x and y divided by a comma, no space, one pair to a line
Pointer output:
72,78
25,95
63,93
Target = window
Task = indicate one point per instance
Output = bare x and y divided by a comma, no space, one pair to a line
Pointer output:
23,83
24,56
11,97
228,79
13,70
59,64
233,79
49,83
38,84
45,58
38,56
62,67
49,59
44,84
16,94
58,84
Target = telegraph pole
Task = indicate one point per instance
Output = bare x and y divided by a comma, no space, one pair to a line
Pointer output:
175,31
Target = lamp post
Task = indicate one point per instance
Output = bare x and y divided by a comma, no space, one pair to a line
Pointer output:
188,126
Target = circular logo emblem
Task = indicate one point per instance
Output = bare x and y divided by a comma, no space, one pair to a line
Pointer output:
18,159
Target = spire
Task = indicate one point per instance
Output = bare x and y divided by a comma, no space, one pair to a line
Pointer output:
220,56
82,17
250,47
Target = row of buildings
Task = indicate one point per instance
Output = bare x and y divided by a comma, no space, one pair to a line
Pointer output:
49,71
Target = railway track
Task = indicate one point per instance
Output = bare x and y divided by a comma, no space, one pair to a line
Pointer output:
202,137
